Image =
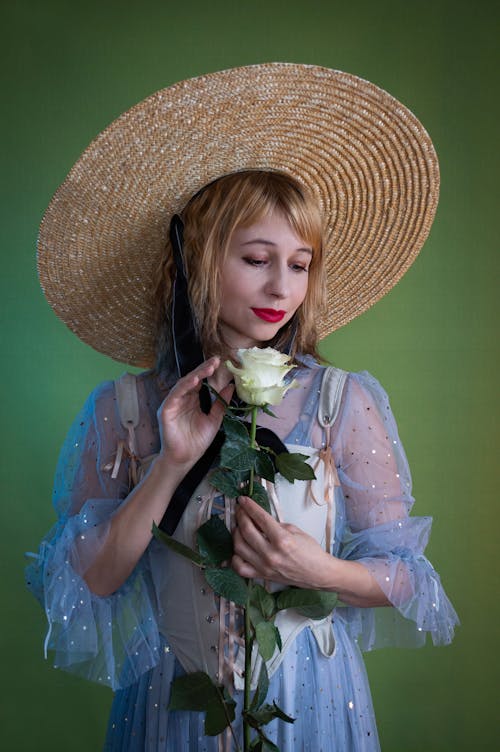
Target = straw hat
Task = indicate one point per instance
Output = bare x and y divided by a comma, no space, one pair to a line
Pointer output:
366,158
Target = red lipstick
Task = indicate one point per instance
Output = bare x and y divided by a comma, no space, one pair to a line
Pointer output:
269,314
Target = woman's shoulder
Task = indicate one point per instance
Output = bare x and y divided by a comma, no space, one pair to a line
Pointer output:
309,368
353,389
105,397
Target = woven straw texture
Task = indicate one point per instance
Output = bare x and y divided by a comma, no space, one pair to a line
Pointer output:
367,159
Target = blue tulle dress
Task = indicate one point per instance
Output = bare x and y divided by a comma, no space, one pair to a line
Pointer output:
116,640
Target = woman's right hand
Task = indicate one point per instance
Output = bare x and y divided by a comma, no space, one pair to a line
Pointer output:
185,430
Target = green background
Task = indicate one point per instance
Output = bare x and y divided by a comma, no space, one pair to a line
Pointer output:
68,69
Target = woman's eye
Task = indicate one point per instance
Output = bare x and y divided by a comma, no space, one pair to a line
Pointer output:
257,262
254,262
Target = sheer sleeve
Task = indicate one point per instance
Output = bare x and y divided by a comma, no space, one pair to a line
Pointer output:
111,640
378,530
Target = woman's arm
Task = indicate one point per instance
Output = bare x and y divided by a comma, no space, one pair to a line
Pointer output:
185,433
380,548
363,447
100,536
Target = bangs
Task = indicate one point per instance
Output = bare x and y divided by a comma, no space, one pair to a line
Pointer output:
252,195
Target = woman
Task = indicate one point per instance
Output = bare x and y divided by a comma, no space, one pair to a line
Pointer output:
296,179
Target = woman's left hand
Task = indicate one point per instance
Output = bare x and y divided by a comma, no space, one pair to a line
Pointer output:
271,550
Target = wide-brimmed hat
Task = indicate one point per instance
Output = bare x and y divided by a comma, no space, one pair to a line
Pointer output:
365,156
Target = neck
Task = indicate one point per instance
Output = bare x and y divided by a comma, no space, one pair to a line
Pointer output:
220,378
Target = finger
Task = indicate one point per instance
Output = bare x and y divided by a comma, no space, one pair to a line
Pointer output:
189,385
253,533
250,546
246,526
210,365
244,568
218,408
259,571
196,376
261,519
292,528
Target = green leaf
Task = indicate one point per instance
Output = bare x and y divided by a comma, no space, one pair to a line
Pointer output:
260,693
266,409
176,546
264,466
198,692
215,542
316,604
225,582
192,692
220,715
256,745
226,482
263,744
237,456
265,634
255,616
260,717
265,714
236,430
262,602
282,715
292,466
259,494
269,746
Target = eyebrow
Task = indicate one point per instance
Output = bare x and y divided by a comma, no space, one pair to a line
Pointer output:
262,241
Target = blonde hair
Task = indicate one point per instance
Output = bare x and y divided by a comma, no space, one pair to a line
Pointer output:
210,219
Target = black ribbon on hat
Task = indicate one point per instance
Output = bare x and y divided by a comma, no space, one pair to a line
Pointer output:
188,354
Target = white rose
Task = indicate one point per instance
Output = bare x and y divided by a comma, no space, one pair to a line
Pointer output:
259,381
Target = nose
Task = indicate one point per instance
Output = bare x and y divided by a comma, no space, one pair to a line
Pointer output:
277,282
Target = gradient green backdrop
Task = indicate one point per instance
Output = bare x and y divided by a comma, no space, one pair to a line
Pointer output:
68,69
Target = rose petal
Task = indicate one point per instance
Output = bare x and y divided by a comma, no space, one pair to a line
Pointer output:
260,379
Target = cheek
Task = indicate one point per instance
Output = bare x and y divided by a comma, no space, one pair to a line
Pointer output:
301,290
233,291
232,279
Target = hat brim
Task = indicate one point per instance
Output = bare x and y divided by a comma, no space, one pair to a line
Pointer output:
365,156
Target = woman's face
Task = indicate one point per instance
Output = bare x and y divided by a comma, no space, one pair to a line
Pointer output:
263,281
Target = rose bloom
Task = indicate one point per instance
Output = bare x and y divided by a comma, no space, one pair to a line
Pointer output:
259,381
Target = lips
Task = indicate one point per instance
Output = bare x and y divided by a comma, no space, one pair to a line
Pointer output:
269,314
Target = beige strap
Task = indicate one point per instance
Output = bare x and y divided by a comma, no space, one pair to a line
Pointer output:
128,410
330,398
331,479
127,400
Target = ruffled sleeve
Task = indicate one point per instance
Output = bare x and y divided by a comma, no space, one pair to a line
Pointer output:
114,639
377,529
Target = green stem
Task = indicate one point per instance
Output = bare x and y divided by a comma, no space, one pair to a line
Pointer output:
253,431
248,675
248,628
